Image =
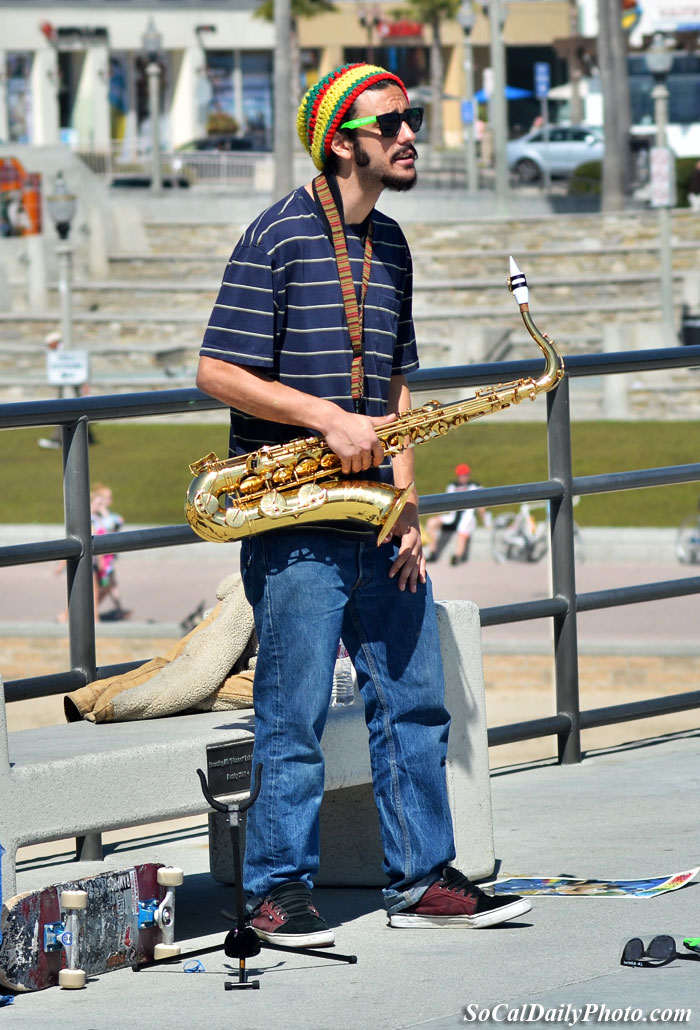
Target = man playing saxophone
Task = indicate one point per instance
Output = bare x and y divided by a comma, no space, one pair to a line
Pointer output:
312,332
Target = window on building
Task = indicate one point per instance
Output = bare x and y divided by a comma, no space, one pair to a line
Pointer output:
256,69
18,67
410,63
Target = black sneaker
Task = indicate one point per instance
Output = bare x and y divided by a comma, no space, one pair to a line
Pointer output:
289,917
456,901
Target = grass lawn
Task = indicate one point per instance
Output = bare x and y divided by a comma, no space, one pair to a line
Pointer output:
146,465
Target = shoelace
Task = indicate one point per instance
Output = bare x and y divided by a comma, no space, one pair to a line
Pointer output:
294,901
459,883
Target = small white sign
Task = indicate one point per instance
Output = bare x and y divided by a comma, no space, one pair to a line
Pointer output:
662,172
67,367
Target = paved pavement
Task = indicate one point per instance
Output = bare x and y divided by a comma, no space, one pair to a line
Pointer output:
162,587
627,813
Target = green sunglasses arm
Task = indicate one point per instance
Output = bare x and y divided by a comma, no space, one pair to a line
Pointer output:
357,122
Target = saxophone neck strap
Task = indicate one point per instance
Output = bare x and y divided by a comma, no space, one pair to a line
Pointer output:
354,312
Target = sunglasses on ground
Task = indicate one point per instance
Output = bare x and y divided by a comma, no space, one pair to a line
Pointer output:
390,123
659,952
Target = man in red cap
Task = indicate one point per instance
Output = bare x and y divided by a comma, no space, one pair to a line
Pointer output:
312,332
440,528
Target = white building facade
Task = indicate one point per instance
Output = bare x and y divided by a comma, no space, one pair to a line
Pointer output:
76,72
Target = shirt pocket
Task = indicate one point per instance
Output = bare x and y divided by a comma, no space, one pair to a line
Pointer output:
382,315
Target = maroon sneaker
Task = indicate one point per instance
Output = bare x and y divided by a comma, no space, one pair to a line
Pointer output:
456,901
289,917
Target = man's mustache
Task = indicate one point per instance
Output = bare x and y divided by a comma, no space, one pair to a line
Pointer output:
409,151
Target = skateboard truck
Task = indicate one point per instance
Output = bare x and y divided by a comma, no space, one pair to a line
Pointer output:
162,913
65,934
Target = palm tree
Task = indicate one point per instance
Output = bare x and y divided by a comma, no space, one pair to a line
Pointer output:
434,13
300,9
612,61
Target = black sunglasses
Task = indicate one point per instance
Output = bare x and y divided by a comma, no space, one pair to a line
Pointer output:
660,952
390,123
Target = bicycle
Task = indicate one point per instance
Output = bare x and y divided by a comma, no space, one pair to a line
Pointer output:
517,536
688,541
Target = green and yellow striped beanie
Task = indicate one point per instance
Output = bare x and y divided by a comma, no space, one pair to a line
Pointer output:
325,105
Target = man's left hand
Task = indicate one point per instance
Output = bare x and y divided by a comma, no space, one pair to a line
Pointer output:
409,566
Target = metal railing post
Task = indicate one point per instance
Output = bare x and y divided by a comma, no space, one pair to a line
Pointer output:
76,506
81,599
563,572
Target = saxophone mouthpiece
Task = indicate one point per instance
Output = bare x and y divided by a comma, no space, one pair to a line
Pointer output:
517,284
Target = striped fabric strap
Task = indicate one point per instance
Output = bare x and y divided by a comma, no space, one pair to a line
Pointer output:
353,314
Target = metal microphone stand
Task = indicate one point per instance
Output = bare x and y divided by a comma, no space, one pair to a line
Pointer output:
242,942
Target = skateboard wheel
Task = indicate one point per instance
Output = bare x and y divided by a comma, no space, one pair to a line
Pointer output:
71,979
74,899
170,876
166,951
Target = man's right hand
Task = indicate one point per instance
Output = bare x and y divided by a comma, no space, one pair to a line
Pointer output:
353,438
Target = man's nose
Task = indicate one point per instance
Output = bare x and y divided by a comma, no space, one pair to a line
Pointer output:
406,133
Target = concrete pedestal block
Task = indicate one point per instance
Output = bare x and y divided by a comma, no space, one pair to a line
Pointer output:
351,850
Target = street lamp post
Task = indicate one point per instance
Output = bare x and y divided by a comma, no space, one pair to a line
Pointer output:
61,206
152,41
498,117
659,60
466,18
369,20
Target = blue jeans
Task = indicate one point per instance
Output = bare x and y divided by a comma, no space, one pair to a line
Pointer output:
309,588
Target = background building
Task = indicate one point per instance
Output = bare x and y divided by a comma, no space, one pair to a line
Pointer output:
75,72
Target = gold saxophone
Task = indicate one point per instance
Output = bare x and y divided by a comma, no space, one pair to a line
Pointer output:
301,481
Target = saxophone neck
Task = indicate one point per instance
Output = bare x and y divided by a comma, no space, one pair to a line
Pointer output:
554,364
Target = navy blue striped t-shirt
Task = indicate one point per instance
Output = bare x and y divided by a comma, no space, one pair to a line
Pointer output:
280,309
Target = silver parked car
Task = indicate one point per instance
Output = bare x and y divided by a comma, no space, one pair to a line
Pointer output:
560,151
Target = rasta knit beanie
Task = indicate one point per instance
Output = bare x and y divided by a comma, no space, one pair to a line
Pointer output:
323,109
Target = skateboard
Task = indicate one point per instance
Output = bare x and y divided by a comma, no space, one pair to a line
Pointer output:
62,934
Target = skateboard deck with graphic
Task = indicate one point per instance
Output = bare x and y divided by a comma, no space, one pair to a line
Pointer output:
62,934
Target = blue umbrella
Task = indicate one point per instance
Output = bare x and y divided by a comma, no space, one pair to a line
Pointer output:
512,93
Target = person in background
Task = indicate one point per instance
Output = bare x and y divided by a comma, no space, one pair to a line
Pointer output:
694,188
104,520
439,529
312,332
467,523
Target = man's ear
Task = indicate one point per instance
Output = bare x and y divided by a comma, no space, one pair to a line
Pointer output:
342,147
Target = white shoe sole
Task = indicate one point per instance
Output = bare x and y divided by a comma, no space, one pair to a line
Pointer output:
322,939
493,918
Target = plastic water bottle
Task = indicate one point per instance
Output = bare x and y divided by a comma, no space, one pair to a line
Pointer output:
343,679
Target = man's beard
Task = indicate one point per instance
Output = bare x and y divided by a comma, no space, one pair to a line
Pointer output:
389,181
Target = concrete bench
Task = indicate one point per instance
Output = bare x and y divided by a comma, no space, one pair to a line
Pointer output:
81,778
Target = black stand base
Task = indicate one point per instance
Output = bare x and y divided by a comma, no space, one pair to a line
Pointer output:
242,942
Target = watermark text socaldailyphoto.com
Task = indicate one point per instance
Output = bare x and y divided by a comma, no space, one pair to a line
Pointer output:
536,1014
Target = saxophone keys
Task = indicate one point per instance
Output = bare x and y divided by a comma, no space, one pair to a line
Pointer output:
234,518
282,475
306,467
206,503
273,503
312,495
250,485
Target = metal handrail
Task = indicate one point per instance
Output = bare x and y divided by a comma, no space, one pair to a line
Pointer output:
78,546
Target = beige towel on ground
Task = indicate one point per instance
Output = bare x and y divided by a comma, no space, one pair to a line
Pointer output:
208,670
